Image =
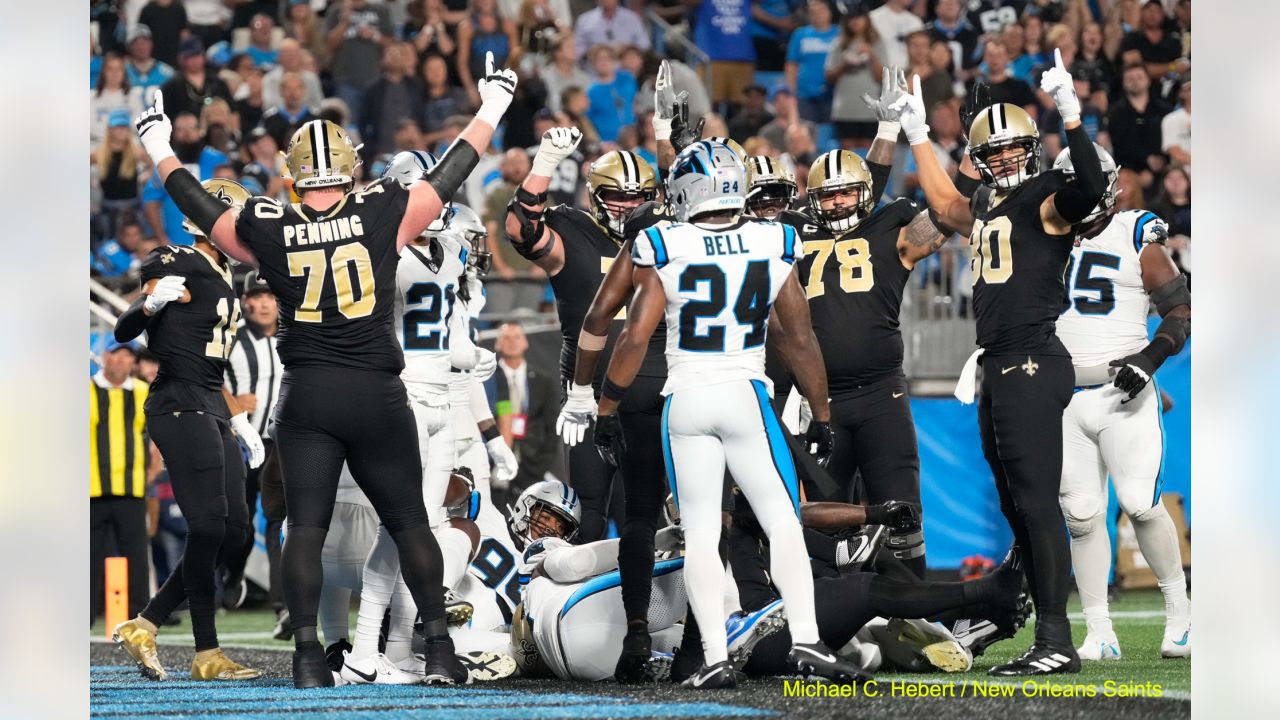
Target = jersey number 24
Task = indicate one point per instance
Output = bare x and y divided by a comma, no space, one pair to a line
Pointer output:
751,308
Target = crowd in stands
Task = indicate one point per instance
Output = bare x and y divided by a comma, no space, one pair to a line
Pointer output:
783,77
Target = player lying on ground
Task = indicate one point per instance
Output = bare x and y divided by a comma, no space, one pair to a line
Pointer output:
342,398
1119,268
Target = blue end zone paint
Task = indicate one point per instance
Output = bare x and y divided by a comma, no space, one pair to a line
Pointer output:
118,692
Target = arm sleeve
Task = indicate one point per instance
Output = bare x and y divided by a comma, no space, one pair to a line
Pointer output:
580,562
879,180
131,322
1075,202
479,402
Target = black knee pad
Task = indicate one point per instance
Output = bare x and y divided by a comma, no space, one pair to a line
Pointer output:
405,519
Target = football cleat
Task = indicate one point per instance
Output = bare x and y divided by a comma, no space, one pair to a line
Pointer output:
140,643
637,649
858,551
1040,661
919,645
234,593
745,630
818,660
1177,637
487,666
713,677
217,666
1100,645
658,669
457,612
377,669
440,665
284,628
335,653
310,670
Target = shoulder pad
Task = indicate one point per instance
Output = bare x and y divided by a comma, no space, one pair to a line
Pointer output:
1148,228
902,210
164,261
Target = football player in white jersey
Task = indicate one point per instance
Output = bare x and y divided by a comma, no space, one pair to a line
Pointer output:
435,338
716,276
1119,268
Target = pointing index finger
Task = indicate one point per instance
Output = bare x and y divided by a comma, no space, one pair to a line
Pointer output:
488,63
159,102
1057,58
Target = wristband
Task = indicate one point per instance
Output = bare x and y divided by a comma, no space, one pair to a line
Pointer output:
613,390
544,166
888,130
876,515
591,341
490,433
661,128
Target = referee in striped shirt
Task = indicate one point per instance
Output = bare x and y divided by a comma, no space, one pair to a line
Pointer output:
253,376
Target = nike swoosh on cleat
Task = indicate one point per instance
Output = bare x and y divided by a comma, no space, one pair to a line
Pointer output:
370,677
825,658
1185,637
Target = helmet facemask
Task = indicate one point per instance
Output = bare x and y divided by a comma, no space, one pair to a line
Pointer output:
479,258
768,200
844,217
613,207
1006,164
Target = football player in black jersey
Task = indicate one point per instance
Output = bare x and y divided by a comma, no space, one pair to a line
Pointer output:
190,310
331,261
855,268
1021,238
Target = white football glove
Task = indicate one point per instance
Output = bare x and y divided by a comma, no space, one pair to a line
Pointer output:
668,539
909,109
486,364
505,465
497,88
557,144
664,102
576,415
893,84
1058,84
249,439
166,290
154,130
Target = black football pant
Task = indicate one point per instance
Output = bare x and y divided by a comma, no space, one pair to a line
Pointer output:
1020,416
875,437
118,528
271,487
253,482
326,416
206,471
644,481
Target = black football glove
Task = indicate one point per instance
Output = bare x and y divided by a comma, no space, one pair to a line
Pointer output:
1135,372
682,136
977,100
609,441
819,441
897,515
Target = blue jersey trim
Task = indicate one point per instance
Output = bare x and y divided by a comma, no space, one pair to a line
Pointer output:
660,257
613,579
782,460
788,244
1139,226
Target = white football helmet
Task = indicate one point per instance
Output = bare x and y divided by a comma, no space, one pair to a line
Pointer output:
552,496
707,177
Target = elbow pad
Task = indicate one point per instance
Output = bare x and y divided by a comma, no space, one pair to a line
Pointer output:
1171,295
532,229
201,208
452,170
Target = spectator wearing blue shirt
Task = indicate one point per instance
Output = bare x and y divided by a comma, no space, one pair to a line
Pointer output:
611,95
113,259
720,28
144,71
163,215
771,24
262,42
1033,50
806,62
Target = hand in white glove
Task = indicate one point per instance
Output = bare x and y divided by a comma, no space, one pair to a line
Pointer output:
166,290
249,438
669,539
909,109
497,88
505,466
893,83
576,415
557,144
486,364
664,102
154,130
1059,85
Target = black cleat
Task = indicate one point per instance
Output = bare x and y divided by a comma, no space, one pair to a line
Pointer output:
713,677
334,654
684,664
440,665
1040,660
310,667
637,649
284,627
818,660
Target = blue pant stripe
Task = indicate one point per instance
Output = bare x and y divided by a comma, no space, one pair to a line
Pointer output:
666,452
782,460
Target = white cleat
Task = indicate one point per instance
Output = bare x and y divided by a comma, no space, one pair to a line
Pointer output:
376,670
487,666
1177,638
1100,645
920,646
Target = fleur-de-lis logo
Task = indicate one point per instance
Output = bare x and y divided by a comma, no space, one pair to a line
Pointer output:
1030,366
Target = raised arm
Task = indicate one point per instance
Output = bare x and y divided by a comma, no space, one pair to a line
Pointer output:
1070,205
206,212
949,206
920,238
526,230
804,360
893,83
428,198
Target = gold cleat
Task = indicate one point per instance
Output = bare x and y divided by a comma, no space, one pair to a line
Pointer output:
140,643
217,666
458,612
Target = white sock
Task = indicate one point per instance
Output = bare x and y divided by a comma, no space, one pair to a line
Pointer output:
381,572
335,604
704,579
1158,539
732,603
1098,620
790,571
400,633
1091,558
